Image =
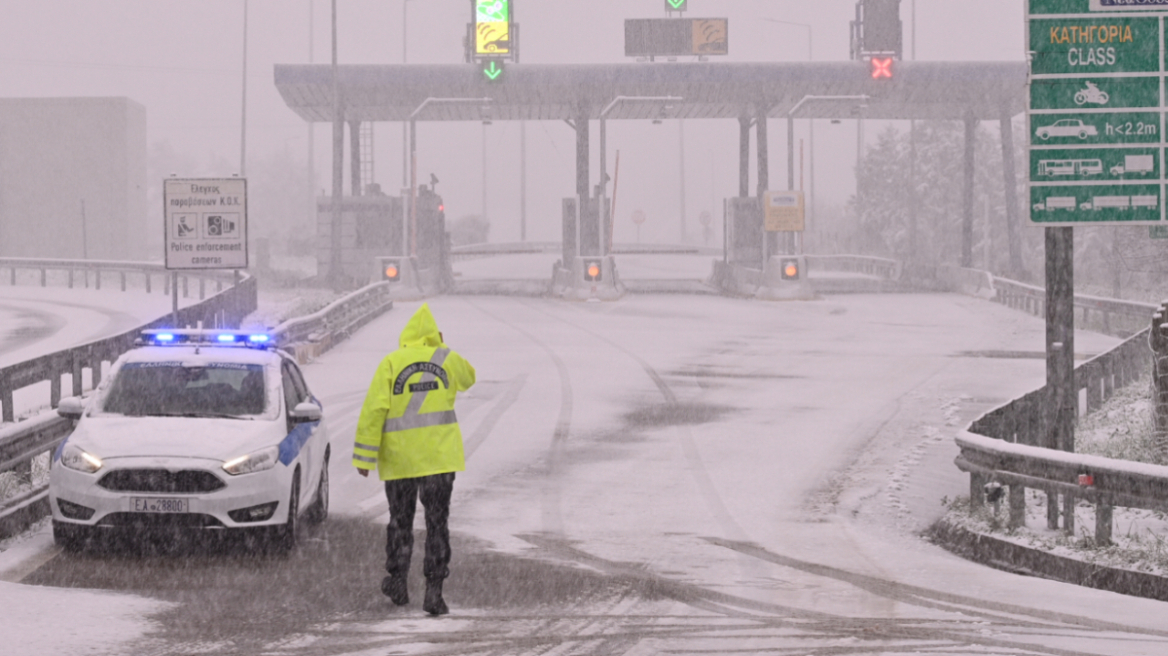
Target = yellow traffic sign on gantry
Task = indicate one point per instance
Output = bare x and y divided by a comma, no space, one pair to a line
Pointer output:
493,38
492,27
710,36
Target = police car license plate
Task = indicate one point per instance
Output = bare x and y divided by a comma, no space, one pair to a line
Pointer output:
156,505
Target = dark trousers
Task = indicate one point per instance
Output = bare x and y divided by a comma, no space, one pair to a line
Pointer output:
403,495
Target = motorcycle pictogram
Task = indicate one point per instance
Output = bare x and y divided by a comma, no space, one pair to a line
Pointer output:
1092,94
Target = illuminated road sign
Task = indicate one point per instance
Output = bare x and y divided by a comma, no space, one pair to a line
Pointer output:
492,27
1096,112
493,70
881,68
676,5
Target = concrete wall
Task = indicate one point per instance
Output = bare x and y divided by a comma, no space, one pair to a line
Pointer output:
56,153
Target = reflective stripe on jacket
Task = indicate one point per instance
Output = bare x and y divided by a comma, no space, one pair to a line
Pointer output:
408,427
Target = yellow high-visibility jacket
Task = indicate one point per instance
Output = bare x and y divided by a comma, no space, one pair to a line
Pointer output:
407,427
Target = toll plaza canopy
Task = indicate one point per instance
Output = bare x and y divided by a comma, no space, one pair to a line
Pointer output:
917,90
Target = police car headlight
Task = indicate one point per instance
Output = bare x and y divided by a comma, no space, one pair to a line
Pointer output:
253,462
78,459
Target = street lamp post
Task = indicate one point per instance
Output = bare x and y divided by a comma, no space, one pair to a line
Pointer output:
405,60
791,133
413,228
811,122
243,117
603,200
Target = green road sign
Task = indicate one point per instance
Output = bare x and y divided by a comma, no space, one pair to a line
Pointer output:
1091,129
1047,7
492,11
1096,204
1095,44
493,70
1096,93
1097,111
1113,165
676,5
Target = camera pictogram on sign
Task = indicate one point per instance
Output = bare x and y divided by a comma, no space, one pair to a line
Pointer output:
222,226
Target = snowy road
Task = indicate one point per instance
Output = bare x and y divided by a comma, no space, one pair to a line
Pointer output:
39,320
655,475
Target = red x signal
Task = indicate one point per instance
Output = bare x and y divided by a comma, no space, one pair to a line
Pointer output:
882,68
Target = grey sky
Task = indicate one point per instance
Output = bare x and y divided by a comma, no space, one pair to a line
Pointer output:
181,59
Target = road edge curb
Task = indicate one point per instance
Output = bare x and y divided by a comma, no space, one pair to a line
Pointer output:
1018,559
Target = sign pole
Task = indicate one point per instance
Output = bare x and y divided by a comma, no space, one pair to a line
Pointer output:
1062,397
174,299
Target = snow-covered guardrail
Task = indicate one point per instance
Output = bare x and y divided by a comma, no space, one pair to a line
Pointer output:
311,335
873,266
1005,444
21,443
1105,482
100,268
1108,315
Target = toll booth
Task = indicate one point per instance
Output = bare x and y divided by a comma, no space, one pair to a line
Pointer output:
745,238
370,226
589,233
432,245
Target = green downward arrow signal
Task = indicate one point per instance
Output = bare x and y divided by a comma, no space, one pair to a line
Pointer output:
677,4
494,70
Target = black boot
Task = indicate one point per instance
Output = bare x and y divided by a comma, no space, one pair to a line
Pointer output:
394,587
433,602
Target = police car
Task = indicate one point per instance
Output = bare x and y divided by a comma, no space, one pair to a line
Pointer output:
193,429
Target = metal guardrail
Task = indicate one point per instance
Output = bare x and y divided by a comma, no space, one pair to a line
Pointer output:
1106,482
872,266
311,335
1007,444
124,270
21,443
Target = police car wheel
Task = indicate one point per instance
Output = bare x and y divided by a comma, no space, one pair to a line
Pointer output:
318,511
284,537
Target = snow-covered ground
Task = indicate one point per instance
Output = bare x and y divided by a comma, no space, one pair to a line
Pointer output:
753,474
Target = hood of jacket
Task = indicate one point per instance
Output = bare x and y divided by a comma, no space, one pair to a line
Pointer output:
421,330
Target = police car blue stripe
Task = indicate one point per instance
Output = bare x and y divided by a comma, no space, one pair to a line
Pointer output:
292,444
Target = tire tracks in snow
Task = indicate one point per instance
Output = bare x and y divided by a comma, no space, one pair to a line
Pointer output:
552,516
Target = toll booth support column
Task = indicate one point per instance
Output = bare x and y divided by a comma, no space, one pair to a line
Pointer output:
1011,187
334,269
355,157
764,177
582,177
967,193
743,156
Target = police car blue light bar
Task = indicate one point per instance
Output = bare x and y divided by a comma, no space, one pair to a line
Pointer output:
192,337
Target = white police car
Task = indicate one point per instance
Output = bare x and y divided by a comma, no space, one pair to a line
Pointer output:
193,429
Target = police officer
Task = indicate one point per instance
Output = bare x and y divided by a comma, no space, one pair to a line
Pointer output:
408,430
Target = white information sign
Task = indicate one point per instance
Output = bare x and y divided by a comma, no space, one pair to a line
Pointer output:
206,223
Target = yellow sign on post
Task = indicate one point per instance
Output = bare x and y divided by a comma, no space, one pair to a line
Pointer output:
710,36
784,211
493,38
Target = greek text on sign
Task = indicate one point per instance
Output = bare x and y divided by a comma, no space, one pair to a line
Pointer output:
784,211
205,223
1096,112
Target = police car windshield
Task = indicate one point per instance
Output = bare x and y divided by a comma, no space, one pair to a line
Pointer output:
169,389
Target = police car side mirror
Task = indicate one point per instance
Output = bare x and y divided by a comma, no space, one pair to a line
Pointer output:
305,412
71,408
